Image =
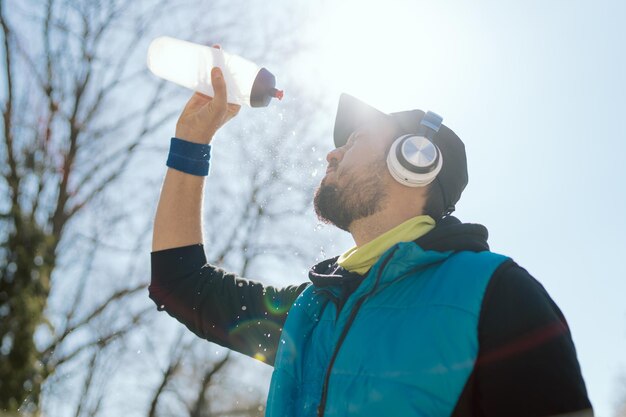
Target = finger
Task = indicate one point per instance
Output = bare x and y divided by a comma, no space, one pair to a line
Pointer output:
219,87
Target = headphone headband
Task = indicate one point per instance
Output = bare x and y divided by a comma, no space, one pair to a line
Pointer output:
430,124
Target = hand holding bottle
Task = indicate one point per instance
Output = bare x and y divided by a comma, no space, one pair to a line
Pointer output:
203,115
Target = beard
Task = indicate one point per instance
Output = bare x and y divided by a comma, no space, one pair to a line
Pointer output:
361,196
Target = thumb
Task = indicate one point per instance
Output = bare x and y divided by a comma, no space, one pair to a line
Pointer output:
219,87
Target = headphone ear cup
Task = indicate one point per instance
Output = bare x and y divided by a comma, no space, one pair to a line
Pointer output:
404,171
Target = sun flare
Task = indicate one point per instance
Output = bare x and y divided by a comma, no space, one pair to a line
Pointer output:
379,51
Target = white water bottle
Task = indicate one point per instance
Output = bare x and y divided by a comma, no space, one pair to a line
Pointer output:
189,65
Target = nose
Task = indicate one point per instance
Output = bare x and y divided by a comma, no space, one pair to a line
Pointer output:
334,157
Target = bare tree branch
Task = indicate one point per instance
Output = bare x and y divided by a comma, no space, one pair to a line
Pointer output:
7,109
104,340
199,405
177,353
78,297
91,369
116,296
126,151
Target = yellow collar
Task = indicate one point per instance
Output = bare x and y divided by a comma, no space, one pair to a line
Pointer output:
361,259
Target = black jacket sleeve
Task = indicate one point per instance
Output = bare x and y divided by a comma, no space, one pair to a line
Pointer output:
527,364
237,313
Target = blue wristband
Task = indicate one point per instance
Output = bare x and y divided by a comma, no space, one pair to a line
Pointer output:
191,158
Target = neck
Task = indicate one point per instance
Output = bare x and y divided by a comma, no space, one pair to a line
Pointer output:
368,228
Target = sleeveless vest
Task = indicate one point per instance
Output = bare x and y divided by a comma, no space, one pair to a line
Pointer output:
404,343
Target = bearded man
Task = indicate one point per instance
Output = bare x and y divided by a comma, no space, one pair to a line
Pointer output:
419,318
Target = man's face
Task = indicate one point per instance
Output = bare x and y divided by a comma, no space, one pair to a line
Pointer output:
355,185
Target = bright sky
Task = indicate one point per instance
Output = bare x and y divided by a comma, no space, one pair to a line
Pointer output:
536,90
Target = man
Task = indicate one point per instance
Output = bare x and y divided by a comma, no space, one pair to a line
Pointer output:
419,318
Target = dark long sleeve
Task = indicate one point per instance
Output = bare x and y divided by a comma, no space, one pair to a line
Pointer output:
237,313
527,364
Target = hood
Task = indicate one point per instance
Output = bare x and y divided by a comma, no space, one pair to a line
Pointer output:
452,235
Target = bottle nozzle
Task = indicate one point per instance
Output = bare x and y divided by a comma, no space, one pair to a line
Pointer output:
278,93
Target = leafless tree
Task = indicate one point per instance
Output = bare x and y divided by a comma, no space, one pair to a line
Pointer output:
74,127
58,82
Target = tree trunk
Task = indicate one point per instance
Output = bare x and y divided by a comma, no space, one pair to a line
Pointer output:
24,290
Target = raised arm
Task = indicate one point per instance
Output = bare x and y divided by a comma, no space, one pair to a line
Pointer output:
178,220
237,313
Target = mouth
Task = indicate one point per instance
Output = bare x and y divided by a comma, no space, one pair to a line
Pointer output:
331,168
327,177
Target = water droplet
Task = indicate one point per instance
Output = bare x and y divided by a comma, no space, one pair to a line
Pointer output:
243,307
240,284
314,173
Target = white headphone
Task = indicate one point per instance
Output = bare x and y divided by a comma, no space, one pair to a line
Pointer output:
414,160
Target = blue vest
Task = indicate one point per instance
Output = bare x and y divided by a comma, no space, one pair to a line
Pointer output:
408,348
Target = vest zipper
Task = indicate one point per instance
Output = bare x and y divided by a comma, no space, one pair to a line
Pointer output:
344,333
